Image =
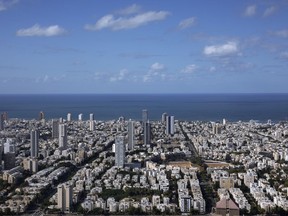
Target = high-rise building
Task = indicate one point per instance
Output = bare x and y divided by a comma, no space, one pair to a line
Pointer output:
34,143
1,121
91,122
164,116
55,128
69,117
62,136
130,135
9,154
144,116
41,115
64,196
80,117
170,128
119,151
147,133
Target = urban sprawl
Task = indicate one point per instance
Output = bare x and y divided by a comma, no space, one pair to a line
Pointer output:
71,165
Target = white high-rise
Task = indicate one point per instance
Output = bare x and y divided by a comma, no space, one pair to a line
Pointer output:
34,142
69,117
130,135
80,117
64,197
91,122
63,136
119,151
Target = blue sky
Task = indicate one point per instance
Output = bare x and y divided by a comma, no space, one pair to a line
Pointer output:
151,46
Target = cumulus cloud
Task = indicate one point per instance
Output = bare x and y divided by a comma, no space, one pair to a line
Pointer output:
120,76
157,66
186,23
269,11
156,70
37,30
227,49
189,69
5,4
282,33
114,23
133,9
250,10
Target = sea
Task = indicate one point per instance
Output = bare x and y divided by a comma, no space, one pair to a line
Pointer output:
187,107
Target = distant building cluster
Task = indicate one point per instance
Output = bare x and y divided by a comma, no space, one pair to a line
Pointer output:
163,166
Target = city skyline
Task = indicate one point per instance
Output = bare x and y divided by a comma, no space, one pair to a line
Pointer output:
143,46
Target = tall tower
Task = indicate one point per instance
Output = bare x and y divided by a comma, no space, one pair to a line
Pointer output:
80,117
69,117
170,128
34,142
130,135
119,151
55,128
164,116
144,116
1,121
63,136
147,133
41,115
64,196
91,122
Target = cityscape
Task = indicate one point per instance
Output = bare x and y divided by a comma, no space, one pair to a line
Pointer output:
166,166
143,107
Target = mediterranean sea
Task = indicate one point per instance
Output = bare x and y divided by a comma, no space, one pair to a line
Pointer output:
189,107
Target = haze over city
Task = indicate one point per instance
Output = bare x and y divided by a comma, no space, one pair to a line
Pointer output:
143,46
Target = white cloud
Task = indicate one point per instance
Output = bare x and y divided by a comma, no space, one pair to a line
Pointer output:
250,10
120,76
130,10
155,71
282,33
37,30
189,69
5,4
229,48
269,11
109,21
157,67
187,23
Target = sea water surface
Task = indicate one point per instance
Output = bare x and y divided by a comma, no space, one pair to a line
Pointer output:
189,107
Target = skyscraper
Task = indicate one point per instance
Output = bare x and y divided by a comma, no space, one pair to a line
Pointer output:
41,115
69,117
1,121
147,133
63,136
91,122
64,196
164,116
34,142
170,128
55,128
130,135
119,151
144,116
9,154
80,117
